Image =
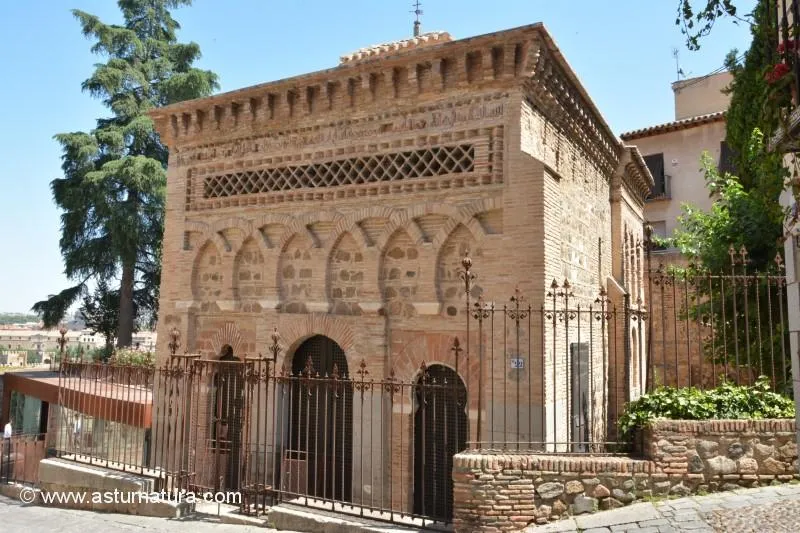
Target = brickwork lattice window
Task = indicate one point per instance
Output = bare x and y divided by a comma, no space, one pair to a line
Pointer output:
429,162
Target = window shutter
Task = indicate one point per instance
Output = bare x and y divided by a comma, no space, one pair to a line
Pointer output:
726,159
655,162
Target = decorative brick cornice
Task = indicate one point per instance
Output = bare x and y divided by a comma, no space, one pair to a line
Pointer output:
521,57
555,90
636,177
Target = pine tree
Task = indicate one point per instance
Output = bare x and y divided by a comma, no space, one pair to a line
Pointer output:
112,191
100,312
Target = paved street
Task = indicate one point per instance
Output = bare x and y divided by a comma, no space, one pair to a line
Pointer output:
763,510
17,517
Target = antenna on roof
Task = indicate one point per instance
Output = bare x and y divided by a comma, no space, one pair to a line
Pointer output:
678,70
417,11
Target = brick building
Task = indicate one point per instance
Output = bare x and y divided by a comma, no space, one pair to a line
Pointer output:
336,206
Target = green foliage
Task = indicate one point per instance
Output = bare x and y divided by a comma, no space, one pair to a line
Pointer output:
99,355
750,218
697,23
756,103
100,312
746,214
32,358
17,318
112,191
727,401
748,332
72,352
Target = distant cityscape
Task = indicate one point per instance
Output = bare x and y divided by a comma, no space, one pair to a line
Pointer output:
26,343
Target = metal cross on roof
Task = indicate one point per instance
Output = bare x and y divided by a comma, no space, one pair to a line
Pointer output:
417,12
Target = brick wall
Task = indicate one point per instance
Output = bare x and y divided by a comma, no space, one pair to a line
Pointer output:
508,492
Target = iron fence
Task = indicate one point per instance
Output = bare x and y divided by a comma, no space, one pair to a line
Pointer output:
545,373
312,435
104,415
552,376
20,457
709,327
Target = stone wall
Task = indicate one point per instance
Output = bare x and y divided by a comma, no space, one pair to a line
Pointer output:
506,492
724,453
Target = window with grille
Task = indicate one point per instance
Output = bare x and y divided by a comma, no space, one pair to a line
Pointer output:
429,162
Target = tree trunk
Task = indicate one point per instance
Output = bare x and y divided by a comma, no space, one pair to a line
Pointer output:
125,328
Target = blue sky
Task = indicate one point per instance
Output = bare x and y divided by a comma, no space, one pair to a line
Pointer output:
620,49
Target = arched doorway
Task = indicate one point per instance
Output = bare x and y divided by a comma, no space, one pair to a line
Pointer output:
321,421
227,404
440,431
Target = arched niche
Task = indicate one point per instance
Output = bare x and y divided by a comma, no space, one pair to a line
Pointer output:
346,276
399,274
208,276
449,283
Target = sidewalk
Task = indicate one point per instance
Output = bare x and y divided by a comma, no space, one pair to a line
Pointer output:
14,516
763,510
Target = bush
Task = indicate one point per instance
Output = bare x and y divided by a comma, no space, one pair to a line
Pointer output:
127,356
99,355
728,401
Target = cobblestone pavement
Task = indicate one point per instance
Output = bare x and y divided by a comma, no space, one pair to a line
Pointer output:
763,510
15,516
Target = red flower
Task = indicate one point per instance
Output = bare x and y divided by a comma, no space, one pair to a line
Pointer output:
778,71
787,45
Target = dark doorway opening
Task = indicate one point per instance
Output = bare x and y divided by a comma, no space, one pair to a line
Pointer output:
226,425
319,458
440,431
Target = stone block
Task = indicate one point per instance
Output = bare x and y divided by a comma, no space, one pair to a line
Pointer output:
610,503
696,464
680,490
736,450
574,487
559,508
600,491
584,504
548,491
661,488
720,465
762,451
770,465
621,495
789,450
747,465
707,448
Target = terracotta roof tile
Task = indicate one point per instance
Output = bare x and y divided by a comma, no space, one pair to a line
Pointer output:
378,50
673,126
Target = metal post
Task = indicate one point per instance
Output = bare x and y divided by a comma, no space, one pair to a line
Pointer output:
467,277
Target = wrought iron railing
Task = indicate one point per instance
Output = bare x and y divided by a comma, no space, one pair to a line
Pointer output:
104,414
546,373
707,327
20,456
665,194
